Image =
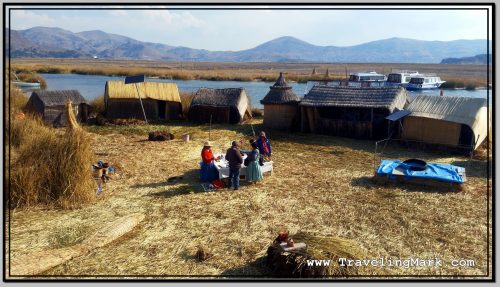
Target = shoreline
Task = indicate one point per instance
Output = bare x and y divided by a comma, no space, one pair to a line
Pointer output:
469,77
246,81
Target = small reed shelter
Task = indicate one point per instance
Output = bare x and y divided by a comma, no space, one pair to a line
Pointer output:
450,121
51,106
231,106
350,111
281,106
161,101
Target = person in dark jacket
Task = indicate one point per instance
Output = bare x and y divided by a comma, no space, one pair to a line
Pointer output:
235,158
264,145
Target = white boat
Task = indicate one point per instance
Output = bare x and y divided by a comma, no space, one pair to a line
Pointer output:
424,82
400,78
26,85
370,76
367,79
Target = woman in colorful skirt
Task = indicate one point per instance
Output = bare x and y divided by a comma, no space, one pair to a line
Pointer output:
254,172
208,172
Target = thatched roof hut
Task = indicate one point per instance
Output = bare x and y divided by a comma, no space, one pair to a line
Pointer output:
161,101
280,106
51,105
231,105
450,121
350,111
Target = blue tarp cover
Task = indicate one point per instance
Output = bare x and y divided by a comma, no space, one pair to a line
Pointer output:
435,171
134,79
397,115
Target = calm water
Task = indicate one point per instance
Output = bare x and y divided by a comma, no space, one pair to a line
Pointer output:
93,86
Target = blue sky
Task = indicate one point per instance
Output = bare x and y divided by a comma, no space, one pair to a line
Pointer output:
244,29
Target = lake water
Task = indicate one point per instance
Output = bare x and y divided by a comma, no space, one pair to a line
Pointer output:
91,86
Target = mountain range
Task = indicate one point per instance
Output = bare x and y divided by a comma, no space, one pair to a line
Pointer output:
44,42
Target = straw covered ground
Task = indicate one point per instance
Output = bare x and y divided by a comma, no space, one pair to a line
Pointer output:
321,185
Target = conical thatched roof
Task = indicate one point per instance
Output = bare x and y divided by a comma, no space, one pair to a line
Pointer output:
280,93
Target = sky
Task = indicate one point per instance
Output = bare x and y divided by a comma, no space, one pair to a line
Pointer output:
233,30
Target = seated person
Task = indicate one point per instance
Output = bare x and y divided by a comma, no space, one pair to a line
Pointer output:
208,172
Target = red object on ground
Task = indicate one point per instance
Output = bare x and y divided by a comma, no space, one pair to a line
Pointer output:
218,183
283,236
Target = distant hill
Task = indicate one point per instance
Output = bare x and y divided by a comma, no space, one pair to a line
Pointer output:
60,43
482,59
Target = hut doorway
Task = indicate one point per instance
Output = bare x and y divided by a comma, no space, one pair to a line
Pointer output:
466,136
162,109
83,112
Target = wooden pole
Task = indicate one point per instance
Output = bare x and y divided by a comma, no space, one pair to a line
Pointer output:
371,124
302,118
142,106
210,127
388,128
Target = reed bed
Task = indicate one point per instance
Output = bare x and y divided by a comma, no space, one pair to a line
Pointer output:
97,105
458,76
320,186
15,99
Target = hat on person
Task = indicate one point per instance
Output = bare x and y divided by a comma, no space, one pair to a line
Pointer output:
207,143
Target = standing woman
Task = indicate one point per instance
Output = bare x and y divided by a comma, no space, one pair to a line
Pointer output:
264,145
254,172
208,172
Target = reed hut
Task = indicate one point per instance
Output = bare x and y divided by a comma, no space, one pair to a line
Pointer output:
350,111
161,101
450,121
280,106
230,106
50,105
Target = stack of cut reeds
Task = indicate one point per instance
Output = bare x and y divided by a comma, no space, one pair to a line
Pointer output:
295,264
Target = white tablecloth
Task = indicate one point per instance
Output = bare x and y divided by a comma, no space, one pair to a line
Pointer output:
223,168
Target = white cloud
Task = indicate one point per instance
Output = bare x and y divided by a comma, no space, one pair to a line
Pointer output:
24,19
173,19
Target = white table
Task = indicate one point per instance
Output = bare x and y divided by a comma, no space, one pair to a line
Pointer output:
223,167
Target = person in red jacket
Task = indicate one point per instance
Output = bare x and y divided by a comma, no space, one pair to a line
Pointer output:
208,172
206,153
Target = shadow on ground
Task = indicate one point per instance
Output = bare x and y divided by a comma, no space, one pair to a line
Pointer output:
474,168
252,270
430,187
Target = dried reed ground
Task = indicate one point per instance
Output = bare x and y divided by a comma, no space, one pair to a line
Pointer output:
320,185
